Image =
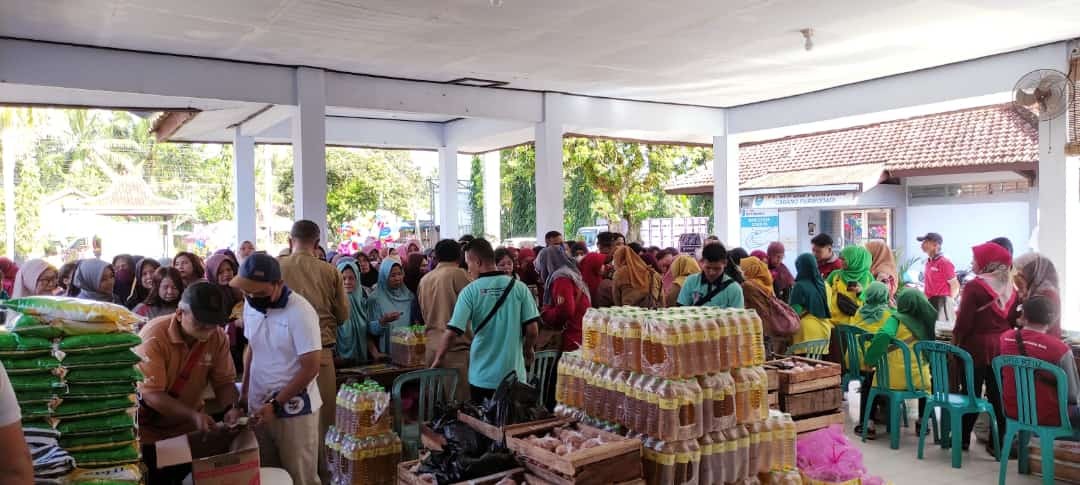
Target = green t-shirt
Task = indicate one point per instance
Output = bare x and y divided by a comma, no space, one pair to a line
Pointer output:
497,348
695,288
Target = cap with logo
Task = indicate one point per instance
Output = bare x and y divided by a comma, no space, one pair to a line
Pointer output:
932,237
208,303
257,268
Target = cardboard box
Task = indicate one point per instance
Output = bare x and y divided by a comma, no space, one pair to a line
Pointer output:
219,457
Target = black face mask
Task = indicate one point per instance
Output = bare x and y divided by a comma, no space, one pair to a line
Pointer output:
260,303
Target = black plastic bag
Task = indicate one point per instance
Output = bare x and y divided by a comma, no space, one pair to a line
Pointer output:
514,402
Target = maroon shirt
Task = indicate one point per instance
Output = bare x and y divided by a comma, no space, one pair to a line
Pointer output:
979,326
1044,347
827,267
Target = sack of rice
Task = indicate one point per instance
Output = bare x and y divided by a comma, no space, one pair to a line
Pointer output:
12,345
66,308
98,343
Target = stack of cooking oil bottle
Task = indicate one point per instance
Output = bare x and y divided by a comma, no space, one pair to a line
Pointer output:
361,448
689,383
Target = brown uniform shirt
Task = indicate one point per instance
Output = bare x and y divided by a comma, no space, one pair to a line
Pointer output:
320,284
165,354
437,294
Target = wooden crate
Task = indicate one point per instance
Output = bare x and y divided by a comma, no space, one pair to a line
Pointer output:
531,479
774,378
406,477
791,382
774,400
1063,450
499,434
1064,471
811,403
814,423
618,460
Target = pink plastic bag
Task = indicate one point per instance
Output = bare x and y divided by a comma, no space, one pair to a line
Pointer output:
828,456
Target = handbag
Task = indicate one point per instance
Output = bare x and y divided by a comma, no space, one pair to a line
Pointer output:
782,318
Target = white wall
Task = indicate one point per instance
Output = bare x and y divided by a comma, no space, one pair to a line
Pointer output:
966,225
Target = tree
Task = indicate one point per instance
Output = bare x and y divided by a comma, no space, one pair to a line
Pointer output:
17,136
476,196
579,197
518,173
362,180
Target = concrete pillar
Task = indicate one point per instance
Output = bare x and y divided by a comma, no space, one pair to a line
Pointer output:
493,195
309,147
448,196
726,189
244,186
549,178
1059,197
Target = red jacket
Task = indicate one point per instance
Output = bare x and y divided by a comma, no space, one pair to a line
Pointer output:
978,326
567,309
1044,347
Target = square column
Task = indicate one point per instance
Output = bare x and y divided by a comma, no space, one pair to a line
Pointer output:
549,178
448,196
309,148
493,195
244,186
726,189
1059,197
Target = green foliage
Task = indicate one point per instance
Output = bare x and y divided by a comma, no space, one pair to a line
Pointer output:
476,196
702,206
579,198
28,193
518,175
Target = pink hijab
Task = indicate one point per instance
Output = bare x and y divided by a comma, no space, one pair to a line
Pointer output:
8,271
25,283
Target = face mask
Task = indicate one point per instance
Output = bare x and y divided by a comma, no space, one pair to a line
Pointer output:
260,303
579,257
125,276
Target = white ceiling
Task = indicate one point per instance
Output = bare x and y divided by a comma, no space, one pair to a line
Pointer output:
717,53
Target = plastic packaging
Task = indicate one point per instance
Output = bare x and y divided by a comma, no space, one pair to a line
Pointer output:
362,409
98,343
60,307
407,345
13,345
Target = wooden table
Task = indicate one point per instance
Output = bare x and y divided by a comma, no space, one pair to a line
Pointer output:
384,374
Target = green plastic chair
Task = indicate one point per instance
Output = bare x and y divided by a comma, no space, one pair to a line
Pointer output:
542,372
811,349
437,386
851,360
1027,420
956,405
895,397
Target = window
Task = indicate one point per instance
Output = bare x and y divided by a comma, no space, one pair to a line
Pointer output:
862,225
968,190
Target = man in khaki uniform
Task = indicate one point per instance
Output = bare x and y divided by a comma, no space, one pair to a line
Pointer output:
320,284
437,293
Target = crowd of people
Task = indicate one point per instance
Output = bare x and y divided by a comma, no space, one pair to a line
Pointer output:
286,323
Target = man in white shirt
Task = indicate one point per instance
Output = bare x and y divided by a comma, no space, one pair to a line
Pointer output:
280,367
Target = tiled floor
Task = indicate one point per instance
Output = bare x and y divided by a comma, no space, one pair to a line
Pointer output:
901,467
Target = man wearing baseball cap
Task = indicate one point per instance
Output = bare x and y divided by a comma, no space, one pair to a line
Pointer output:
182,353
939,277
280,368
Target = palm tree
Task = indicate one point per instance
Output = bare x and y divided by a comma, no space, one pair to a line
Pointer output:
17,135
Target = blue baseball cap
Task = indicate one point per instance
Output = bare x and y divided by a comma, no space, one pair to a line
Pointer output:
257,268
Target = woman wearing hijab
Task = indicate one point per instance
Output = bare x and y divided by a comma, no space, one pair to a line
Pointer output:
762,255
1036,276
414,270
635,283
124,267
912,321
781,275
527,273
591,268
411,246
845,286
93,280
682,267
8,270
190,267
810,300
757,290
220,270
369,272
870,317
144,282
352,335
566,299
391,303
987,309
36,277
883,266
